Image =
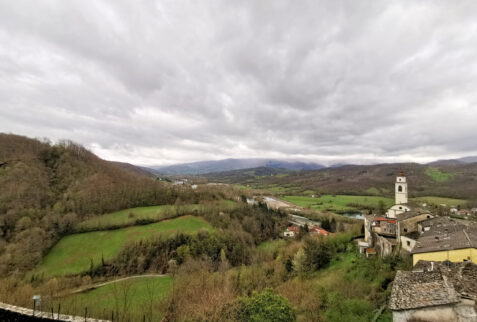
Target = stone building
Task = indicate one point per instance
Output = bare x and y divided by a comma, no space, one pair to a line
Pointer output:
435,291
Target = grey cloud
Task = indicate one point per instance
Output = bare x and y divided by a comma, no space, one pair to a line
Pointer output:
170,81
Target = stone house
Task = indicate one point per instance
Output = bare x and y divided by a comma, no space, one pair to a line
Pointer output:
435,291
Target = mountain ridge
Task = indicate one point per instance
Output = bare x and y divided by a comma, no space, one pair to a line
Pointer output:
230,164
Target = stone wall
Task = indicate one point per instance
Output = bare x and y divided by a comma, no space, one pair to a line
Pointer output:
11,313
464,311
407,244
411,224
383,246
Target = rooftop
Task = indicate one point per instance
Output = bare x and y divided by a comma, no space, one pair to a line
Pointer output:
446,234
412,214
412,290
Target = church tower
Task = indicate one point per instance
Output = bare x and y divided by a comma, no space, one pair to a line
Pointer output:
401,189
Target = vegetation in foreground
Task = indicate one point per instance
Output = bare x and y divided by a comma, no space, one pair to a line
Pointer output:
129,300
322,279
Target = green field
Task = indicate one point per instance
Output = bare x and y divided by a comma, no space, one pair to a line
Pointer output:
134,296
437,175
338,203
73,253
441,201
130,216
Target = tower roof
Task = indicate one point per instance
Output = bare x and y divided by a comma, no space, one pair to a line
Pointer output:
401,174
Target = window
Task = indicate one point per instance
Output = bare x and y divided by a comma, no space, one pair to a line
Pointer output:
405,230
408,243
400,207
400,188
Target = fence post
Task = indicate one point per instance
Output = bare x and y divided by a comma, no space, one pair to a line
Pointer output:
112,316
59,306
85,313
34,304
52,317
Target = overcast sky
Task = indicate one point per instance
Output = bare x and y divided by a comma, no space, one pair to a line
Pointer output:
162,82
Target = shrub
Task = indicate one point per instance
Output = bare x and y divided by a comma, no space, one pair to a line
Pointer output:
265,306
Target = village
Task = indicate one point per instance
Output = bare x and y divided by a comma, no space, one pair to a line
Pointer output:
442,284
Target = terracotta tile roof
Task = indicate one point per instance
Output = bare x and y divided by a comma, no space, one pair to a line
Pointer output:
294,229
412,290
318,230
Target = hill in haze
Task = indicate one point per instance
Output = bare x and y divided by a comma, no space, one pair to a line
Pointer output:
203,167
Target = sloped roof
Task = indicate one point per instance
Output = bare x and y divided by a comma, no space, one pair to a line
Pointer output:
412,290
446,234
412,214
462,275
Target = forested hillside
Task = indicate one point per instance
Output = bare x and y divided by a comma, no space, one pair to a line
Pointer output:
45,189
453,180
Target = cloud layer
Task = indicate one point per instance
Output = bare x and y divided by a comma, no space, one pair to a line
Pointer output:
176,81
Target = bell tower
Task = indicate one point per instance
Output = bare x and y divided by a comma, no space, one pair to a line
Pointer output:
401,189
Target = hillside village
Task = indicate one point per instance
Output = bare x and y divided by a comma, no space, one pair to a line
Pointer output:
220,245
442,284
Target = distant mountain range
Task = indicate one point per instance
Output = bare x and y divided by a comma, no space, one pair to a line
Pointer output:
203,167
215,166
465,160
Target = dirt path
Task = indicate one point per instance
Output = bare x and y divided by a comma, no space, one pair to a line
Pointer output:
94,286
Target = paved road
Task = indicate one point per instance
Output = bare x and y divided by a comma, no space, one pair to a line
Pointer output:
276,203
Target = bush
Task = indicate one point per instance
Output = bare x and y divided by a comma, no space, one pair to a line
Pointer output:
265,306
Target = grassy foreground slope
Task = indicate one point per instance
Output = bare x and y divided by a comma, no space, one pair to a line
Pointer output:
129,299
73,254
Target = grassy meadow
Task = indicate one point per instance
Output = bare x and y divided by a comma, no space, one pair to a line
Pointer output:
131,299
441,201
338,203
73,254
129,217
438,175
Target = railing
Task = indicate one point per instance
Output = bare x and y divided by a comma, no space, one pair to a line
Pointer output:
19,314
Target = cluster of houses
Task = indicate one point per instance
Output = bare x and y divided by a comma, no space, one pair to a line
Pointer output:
463,212
443,283
298,223
294,230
